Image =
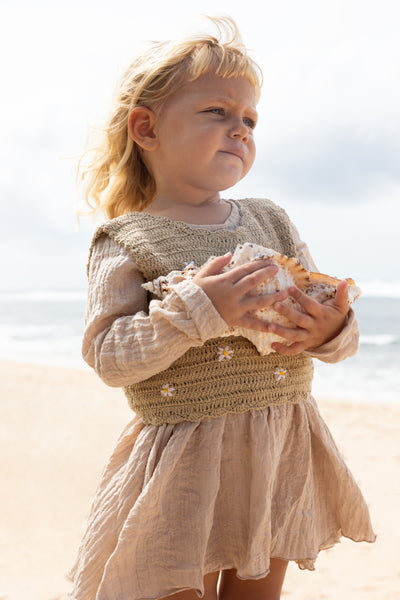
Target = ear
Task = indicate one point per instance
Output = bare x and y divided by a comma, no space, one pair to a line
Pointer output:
141,123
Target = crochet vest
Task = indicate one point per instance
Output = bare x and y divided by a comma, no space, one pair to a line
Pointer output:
225,375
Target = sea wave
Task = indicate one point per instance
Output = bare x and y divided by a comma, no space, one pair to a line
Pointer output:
377,288
43,296
379,340
43,344
380,288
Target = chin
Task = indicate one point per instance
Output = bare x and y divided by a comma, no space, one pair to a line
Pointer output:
229,182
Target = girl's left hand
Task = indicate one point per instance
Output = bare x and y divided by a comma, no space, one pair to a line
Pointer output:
319,324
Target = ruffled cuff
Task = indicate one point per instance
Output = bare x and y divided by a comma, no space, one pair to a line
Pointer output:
203,313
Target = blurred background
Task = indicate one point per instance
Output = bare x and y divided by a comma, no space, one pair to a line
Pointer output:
328,144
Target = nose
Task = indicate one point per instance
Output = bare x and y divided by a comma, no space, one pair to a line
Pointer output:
239,130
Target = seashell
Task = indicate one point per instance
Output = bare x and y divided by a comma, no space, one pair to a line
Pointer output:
291,272
161,286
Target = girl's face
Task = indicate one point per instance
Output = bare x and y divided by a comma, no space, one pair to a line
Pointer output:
205,139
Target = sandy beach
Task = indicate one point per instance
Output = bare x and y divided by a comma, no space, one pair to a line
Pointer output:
58,427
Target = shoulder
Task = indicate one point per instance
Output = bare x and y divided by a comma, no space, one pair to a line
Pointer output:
262,204
118,225
105,257
264,208
106,240
264,214
103,246
119,228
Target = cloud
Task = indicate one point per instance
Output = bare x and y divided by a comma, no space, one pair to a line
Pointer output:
333,165
328,139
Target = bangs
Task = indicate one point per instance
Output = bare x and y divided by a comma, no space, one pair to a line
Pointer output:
225,61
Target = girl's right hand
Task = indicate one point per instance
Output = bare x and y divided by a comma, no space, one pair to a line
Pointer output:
230,291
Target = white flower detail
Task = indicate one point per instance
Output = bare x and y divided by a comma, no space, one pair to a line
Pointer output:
225,353
167,390
280,374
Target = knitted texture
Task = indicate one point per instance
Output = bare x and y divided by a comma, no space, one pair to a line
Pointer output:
160,245
225,375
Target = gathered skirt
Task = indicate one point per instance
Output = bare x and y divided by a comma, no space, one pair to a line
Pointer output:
176,502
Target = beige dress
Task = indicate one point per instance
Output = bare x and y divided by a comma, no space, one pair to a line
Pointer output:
176,502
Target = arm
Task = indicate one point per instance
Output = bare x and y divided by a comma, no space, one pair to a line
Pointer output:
125,339
345,342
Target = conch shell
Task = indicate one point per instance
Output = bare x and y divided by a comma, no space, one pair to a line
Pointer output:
291,272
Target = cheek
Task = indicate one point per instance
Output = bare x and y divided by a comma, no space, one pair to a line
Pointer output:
252,152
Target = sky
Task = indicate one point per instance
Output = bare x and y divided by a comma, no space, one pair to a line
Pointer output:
328,138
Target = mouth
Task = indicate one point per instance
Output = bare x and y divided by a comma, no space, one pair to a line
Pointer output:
235,152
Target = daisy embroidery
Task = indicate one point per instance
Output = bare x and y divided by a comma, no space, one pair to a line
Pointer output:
280,374
167,390
225,353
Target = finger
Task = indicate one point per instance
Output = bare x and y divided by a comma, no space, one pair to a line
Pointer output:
215,265
297,317
249,321
247,284
257,302
293,334
341,299
252,273
310,305
295,348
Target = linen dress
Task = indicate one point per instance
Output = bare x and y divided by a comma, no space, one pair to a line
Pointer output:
176,502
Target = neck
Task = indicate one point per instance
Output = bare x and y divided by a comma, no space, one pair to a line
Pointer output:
205,211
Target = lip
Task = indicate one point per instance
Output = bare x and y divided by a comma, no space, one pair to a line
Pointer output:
235,152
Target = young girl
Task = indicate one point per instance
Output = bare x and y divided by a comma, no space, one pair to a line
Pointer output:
227,472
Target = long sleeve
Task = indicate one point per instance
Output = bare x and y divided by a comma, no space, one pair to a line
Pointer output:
126,340
343,345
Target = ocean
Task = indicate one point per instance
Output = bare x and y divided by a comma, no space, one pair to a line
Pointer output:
46,328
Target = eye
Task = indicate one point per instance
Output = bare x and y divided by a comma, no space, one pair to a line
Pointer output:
216,111
249,122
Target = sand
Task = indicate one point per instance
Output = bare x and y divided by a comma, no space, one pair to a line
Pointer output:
58,427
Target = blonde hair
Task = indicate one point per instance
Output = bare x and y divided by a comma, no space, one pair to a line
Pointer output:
114,176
